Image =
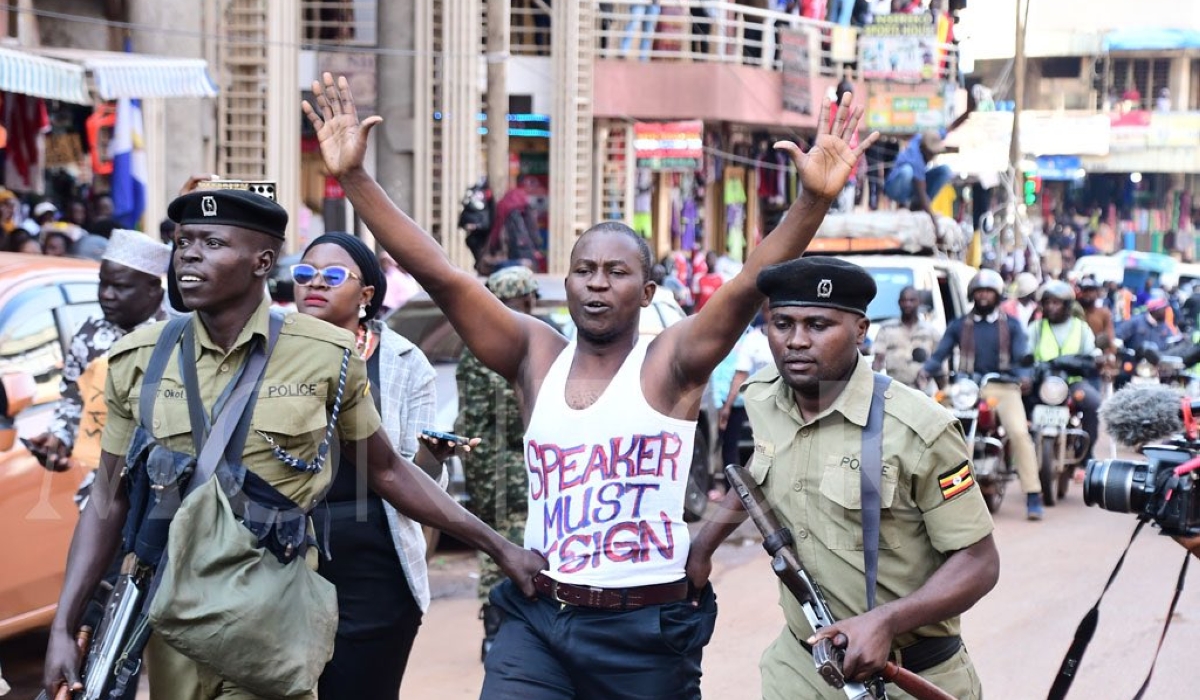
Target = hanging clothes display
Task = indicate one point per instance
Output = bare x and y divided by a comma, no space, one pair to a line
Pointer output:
735,218
643,221
28,122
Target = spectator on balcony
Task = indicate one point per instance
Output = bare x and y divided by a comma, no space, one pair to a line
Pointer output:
644,15
912,183
1162,103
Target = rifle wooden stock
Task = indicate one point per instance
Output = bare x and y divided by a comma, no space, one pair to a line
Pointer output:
913,684
777,540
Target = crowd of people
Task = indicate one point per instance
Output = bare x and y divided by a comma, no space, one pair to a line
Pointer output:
81,229
312,432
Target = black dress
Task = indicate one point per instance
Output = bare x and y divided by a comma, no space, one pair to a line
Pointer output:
378,616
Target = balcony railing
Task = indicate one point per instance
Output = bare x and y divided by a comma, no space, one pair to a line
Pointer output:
726,32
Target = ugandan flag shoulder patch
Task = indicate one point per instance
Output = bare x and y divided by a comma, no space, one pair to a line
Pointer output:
956,480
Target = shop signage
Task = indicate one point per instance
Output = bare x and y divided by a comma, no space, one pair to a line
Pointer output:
797,49
669,145
900,47
891,111
1139,130
1059,168
1065,133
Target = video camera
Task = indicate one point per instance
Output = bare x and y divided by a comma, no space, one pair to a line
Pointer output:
1162,489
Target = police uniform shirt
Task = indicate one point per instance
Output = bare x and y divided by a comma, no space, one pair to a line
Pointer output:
810,471
294,402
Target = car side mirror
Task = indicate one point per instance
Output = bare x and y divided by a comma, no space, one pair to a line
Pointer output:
926,297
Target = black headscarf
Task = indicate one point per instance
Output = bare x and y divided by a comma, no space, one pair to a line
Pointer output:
367,262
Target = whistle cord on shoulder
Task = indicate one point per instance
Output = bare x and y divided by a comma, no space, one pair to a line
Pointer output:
318,462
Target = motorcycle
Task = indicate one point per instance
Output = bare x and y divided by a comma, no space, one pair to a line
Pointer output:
1056,423
986,439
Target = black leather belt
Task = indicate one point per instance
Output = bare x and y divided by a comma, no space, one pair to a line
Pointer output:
610,598
919,656
929,652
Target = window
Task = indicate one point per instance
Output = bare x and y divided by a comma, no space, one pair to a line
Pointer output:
29,340
1140,77
889,281
343,22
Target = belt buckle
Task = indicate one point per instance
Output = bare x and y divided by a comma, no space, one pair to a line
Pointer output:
554,593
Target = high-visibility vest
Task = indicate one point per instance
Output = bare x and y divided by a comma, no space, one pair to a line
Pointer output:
1048,348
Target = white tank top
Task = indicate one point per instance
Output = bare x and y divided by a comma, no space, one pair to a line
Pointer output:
607,483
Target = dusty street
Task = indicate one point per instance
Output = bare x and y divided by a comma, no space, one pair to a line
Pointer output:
1051,574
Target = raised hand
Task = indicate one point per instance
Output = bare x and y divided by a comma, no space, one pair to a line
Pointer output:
342,136
830,161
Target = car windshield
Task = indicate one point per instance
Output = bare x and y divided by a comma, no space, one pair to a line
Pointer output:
889,281
426,326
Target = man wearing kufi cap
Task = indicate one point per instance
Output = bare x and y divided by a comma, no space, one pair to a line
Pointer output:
312,395
494,471
130,294
814,415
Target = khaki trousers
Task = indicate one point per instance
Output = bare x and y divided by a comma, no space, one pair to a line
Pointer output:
174,676
1011,411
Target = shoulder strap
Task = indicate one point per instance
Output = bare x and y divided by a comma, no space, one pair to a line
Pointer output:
966,346
1005,335
232,425
158,362
871,475
373,376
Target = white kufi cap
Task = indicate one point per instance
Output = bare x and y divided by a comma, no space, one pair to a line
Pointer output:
138,251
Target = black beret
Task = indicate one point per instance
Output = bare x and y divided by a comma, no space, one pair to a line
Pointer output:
239,208
818,281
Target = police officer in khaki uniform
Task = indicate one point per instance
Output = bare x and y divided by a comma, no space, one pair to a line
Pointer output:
936,554
226,246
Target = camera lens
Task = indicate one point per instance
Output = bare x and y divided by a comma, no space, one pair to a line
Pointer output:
1116,484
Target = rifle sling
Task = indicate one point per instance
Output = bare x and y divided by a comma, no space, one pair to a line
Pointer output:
231,424
871,476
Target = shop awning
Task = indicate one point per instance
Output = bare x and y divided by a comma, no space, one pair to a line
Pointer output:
133,75
1165,39
50,79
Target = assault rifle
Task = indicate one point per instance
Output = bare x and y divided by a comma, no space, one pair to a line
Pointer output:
113,655
828,657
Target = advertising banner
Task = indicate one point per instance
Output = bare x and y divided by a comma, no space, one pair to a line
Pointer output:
665,146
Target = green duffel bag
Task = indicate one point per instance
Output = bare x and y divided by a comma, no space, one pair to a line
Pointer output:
231,606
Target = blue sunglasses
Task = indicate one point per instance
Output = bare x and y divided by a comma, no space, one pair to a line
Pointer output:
304,274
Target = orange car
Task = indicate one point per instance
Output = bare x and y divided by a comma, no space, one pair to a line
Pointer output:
43,301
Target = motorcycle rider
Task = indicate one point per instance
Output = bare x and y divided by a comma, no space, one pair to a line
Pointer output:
1150,326
1059,333
989,340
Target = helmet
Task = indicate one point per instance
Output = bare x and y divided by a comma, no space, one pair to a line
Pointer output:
1027,284
1059,290
986,279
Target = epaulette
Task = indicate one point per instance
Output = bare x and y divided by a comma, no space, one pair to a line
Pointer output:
302,325
144,337
924,416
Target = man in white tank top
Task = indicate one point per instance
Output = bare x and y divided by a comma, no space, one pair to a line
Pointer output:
609,440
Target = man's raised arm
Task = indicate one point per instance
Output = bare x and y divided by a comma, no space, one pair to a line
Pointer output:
498,336
700,342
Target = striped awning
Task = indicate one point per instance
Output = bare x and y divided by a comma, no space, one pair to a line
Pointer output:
132,75
50,79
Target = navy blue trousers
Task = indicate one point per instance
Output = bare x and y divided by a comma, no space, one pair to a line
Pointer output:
547,651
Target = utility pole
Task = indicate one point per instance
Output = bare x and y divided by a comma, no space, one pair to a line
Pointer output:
1014,146
498,31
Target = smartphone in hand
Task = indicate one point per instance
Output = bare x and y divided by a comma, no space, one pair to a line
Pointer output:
447,437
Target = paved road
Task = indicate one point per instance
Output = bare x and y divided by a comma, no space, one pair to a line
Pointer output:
1051,574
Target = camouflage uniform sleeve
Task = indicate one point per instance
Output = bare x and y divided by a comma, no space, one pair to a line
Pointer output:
69,410
954,512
